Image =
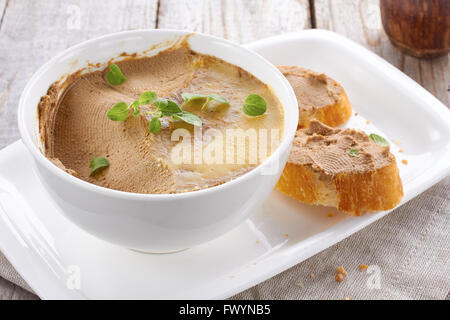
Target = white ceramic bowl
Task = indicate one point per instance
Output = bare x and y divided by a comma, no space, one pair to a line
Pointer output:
155,222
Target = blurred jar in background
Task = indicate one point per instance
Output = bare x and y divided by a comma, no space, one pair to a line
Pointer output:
418,27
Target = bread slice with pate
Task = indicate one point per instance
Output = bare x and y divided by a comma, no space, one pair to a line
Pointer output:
318,96
341,168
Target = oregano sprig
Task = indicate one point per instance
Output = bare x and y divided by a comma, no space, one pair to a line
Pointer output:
206,98
169,108
254,105
164,108
115,75
98,163
135,105
120,111
378,140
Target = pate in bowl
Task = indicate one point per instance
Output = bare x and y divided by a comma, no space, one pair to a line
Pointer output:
158,140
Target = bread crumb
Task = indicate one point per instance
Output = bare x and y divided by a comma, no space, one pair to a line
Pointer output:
367,122
286,235
356,113
339,277
330,215
312,275
257,241
340,274
300,285
400,150
341,270
405,161
396,142
363,267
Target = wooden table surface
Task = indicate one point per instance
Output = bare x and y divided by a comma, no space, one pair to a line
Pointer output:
31,32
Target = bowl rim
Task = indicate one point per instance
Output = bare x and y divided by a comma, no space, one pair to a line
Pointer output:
42,159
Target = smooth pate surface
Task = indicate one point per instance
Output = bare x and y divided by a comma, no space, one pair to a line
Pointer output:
313,90
75,127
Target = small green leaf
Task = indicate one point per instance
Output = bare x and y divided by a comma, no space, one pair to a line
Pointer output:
167,107
136,109
119,112
147,97
161,103
154,125
172,107
205,104
115,75
189,118
254,105
353,152
378,140
189,97
192,96
97,163
219,98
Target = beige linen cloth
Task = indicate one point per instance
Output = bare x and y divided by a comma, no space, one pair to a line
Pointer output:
409,250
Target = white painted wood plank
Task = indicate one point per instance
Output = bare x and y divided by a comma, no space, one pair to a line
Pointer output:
360,20
34,31
236,20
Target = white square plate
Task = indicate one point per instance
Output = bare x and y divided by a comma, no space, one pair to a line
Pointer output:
59,260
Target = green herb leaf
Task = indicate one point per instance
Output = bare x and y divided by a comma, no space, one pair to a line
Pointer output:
156,114
147,97
167,107
353,152
119,112
161,103
136,109
172,107
189,118
115,75
154,125
192,96
189,97
378,140
219,98
97,163
205,104
254,105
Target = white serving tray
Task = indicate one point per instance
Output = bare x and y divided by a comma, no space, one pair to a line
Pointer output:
52,254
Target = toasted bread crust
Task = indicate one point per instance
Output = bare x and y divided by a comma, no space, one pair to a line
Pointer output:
304,184
367,192
352,193
354,186
332,115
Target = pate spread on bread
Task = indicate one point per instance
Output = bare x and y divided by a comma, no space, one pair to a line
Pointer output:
318,96
341,168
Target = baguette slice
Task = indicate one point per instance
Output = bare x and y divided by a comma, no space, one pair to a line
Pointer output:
318,96
322,170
